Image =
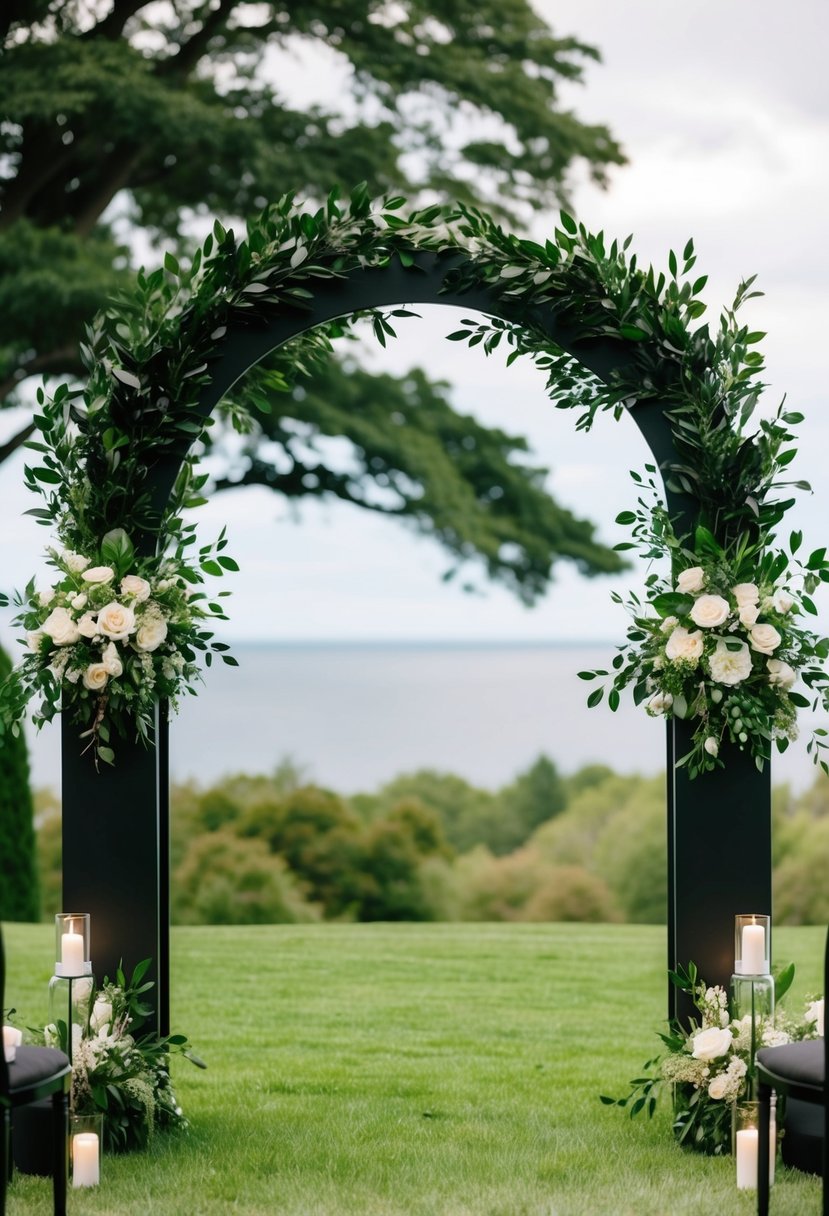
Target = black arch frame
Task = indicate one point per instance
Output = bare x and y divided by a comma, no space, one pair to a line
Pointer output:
116,823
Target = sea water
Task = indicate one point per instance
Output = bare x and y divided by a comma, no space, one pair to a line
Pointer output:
355,715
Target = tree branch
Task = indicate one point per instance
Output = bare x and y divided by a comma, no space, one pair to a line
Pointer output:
62,359
8,449
113,24
189,53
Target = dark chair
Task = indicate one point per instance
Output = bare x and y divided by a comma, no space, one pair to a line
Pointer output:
798,1070
35,1073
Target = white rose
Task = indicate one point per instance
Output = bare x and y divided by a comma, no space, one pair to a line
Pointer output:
116,621
781,673
151,633
814,1013
112,660
683,644
101,1015
75,562
749,614
78,602
781,601
746,594
34,639
95,677
135,587
710,1044
691,580
669,624
719,1086
44,598
764,638
87,625
709,611
711,745
730,666
60,627
99,574
659,703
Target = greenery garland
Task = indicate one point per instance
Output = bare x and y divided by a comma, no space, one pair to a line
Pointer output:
148,360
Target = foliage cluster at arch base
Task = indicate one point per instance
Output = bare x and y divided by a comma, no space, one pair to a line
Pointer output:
710,1066
118,1068
720,641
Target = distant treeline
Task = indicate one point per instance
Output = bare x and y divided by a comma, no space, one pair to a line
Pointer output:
430,846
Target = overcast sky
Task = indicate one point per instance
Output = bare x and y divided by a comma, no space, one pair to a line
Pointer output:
722,110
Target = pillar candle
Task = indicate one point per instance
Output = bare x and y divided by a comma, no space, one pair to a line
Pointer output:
747,1143
71,953
85,1168
754,950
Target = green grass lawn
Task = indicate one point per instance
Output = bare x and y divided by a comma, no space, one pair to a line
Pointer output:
413,1070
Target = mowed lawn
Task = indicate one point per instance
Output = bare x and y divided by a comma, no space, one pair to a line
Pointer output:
413,1070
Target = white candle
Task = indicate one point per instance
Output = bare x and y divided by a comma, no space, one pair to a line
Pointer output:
754,950
747,1141
85,1168
71,953
12,1038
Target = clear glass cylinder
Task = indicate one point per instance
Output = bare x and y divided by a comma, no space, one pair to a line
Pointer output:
70,1000
746,1141
752,944
752,996
86,1142
73,955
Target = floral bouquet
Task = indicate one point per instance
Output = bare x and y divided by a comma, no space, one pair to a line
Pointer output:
115,634
117,1070
710,1066
723,650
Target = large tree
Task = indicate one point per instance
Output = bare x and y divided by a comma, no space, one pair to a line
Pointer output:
125,120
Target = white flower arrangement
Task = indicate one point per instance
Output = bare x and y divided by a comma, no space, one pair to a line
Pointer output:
117,1067
114,635
709,1065
723,650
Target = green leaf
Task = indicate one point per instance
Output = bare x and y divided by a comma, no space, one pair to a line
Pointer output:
568,223
783,982
673,603
117,550
595,697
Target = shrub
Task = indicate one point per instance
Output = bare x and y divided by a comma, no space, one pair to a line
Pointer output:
18,868
570,893
225,880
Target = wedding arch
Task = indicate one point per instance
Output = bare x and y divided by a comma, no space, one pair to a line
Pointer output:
117,468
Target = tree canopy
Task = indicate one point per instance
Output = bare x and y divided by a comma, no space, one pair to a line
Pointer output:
127,121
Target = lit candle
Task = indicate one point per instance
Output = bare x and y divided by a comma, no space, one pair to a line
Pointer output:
85,1168
754,950
12,1038
747,1142
71,953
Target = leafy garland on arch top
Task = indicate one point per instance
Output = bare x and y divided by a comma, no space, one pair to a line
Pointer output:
719,642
